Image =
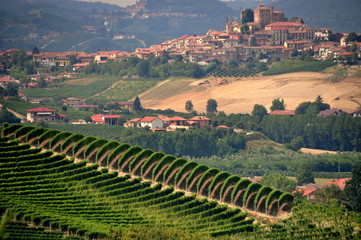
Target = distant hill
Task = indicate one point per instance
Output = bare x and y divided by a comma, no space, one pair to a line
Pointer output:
339,15
60,25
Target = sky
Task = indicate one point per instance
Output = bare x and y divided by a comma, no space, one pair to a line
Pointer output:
121,3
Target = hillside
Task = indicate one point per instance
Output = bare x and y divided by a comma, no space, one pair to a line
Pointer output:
60,26
339,15
240,94
109,190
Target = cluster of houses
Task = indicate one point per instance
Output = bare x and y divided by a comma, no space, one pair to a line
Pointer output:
268,34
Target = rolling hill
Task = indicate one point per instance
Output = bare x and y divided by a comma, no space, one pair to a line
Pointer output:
239,95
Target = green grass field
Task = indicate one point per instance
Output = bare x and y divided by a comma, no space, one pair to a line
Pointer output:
125,90
288,66
80,88
169,88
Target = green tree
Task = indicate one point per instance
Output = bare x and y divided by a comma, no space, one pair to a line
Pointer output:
137,104
279,181
259,111
35,50
305,175
142,68
6,116
189,106
41,83
247,16
353,189
296,143
212,106
352,37
278,104
329,194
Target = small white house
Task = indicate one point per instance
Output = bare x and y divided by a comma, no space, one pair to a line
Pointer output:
151,122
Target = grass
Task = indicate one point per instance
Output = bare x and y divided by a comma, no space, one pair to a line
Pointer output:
288,66
170,88
22,107
80,88
125,90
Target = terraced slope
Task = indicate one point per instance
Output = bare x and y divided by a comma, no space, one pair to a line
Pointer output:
84,199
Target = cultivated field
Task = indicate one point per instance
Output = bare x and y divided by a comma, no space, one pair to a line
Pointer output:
238,95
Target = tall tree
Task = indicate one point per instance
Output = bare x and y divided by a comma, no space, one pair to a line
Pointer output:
305,175
278,104
279,181
353,189
247,15
259,110
137,104
212,106
189,106
36,50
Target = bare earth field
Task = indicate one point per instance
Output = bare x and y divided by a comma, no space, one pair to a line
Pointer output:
238,95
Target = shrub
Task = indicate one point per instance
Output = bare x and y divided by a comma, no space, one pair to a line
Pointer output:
178,163
253,187
116,152
241,185
231,180
150,162
142,155
210,173
189,166
199,169
166,160
220,177
127,157
83,142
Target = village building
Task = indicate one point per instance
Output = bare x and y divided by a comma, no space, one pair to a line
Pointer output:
199,121
106,119
44,114
151,122
72,101
331,112
283,113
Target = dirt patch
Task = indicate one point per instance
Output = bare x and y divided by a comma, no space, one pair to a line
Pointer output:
316,151
239,95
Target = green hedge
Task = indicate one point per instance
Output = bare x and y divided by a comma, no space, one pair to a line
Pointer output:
154,158
9,129
241,185
188,167
179,162
231,180
253,187
23,130
47,135
145,153
166,160
263,191
272,196
74,138
221,176
92,146
125,159
59,137
82,143
120,149
196,171
35,133
109,146
212,172
285,198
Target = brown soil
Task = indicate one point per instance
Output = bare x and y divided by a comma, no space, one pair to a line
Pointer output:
238,95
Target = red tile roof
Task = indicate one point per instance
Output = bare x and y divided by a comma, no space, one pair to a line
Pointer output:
111,116
223,126
339,182
283,112
40,109
97,118
199,118
176,118
147,119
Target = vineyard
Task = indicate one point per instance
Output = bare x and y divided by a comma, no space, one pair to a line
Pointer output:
99,189
234,72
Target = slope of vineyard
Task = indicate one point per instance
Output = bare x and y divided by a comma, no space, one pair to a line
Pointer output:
111,187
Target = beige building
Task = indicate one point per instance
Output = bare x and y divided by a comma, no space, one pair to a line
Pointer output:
266,15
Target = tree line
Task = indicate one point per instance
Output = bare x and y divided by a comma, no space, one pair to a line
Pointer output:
195,142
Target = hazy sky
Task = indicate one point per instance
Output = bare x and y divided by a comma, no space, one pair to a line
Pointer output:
122,3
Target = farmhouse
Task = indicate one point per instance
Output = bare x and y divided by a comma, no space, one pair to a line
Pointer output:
44,114
106,119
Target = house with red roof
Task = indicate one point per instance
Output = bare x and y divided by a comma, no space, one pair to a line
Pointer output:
341,183
151,122
72,101
199,121
283,113
44,114
179,121
106,119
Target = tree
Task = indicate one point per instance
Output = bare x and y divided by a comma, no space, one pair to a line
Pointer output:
41,83
329,194
260,111
212,106
352,37
305,175
6,116
353,189
189,106
247,16
279,181
35,50
137,104
278,104
296,143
